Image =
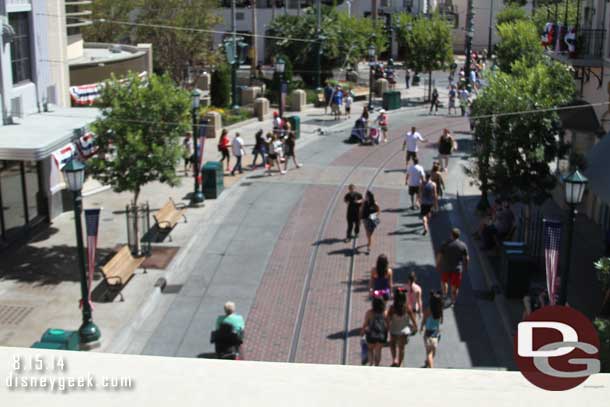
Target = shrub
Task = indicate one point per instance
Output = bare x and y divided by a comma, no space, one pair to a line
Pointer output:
220,88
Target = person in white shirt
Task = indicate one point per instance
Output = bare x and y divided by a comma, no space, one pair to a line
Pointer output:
238,151
411,139
415,176
348,104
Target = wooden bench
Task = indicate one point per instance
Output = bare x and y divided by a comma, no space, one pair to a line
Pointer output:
360,93
119,270
168,216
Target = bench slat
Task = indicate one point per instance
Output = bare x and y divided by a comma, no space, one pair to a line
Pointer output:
121,267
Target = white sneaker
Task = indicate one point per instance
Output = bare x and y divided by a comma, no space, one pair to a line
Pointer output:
299,165
283,172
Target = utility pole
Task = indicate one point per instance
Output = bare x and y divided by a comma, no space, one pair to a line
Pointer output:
254,61
235,62
491,20
318,44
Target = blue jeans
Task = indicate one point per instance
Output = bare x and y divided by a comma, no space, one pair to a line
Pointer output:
262,152
237,165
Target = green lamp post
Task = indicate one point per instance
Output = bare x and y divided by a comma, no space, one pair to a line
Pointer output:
74,174
197,193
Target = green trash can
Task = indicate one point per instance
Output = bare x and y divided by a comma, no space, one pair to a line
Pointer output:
212,179
69,340
295,125
48,345
391,100
416,80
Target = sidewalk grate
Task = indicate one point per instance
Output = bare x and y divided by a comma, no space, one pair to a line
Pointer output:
13,314
172,289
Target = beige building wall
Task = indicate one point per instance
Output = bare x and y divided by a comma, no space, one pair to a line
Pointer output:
58,53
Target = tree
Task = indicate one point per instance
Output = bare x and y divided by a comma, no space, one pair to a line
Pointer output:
345,41
220,87
175,49
425,43
109,32
518,40
513,151
511,14
139,132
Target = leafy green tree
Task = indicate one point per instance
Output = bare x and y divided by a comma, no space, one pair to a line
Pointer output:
174,49
518,40
220,87
110,10
139,132
425,43
513,151
511,13
345,41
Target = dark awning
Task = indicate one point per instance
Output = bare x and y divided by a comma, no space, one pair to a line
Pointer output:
580,119
598,169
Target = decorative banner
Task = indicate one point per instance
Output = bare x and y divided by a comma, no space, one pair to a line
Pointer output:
59,159
552,246
85,95
92,220
85,146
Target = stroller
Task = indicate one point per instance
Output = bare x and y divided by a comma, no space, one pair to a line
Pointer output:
361,135
226,343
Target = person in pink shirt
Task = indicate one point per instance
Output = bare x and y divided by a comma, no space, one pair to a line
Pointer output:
414,294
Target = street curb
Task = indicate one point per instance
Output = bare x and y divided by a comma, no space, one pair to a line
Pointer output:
490,280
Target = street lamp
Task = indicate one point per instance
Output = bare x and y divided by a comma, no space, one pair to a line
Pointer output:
575,185
197,193
280,66
372,51
74,174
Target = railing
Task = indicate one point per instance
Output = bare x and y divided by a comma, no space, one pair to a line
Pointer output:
590,43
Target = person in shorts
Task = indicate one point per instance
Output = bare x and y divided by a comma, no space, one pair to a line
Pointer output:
452,262
375,330
410,143
429,200
431,327
349,100
402,323
415,176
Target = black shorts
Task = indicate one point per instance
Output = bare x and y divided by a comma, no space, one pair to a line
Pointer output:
375,340
413,190
272,156
425,209
225,154
411,155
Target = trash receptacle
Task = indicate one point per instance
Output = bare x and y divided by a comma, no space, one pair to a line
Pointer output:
69,340
295,125
415,81
212,179
391,100
517,268
48,345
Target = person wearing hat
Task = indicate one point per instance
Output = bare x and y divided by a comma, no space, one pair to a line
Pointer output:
382,120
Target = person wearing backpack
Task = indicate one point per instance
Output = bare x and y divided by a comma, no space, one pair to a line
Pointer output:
375,330
402,323
431,326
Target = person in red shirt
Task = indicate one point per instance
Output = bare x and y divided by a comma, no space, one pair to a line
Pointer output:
223,146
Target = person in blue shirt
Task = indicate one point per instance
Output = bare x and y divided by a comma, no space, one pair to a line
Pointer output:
337,103
233,319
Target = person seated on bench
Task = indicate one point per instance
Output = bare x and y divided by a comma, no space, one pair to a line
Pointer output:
229,331
500,228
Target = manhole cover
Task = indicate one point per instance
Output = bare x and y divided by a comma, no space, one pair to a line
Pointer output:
13,314
172,289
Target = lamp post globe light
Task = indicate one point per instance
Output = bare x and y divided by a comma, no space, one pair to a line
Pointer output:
197,193
371,51
280,66
575,185
74,175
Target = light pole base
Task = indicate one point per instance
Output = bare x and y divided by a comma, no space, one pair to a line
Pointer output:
198,197
89,332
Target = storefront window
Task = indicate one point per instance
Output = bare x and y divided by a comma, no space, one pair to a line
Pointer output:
33,190
12,196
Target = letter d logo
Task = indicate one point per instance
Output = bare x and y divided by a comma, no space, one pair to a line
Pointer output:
525,334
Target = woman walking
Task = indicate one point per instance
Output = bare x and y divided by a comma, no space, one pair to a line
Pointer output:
431,326
382,120
223,146
370,217
402,323
437,178
275,153
260,148
435,101
290,142
381,281
446,146
375,330
414,295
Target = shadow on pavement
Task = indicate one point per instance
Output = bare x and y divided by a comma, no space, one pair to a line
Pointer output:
328,241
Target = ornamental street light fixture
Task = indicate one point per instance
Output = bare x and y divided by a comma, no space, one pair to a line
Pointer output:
575,185
280,66
74,174
197,193
372,52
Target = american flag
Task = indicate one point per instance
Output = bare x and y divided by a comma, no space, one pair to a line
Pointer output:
552,246
92,219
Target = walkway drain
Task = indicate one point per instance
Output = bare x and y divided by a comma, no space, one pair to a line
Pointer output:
13,314
172,289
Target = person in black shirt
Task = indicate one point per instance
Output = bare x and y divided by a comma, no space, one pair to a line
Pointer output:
353,200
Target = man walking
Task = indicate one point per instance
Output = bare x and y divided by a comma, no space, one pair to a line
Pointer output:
415,176
452,262
238,151
353,200
411,139
408,78
429,200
